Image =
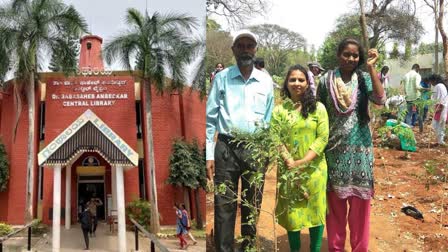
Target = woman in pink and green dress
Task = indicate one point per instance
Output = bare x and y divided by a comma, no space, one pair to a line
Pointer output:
302,125
345,92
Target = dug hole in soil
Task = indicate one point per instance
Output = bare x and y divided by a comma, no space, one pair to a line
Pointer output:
400,179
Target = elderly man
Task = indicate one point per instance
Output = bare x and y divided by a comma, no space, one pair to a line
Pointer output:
314,71
241,98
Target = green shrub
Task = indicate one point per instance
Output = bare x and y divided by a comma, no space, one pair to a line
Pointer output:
140,211
4,168
39,228
5,229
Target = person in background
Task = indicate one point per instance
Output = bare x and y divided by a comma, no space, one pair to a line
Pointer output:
440,96
181,229
411,84
93,203
85,219
186,219
314,71
218,68
346,92
259,64
303,150
425,96
383,75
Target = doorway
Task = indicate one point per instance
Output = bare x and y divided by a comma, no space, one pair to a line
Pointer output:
89,186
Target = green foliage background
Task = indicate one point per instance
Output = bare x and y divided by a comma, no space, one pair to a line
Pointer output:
187,165
4,168
5,229
140,211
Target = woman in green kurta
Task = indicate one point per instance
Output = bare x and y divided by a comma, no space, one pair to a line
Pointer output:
302,127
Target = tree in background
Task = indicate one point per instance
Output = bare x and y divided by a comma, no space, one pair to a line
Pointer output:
424,48
29,28
434,6
395,53
218,46
187,170
65,55
275,43
389,20
163,45
237,12
4,64
392,20
346,26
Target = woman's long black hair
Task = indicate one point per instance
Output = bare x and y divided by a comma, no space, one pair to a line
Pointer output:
307,100
363,109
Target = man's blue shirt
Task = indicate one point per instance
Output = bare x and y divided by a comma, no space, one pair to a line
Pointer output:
234,103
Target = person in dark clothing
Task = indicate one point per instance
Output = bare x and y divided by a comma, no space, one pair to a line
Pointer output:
86,224
92,205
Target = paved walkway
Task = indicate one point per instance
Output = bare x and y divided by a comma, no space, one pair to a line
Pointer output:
72,241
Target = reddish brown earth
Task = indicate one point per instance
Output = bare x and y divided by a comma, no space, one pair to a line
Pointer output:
400,179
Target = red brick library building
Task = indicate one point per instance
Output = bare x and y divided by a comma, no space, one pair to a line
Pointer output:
90,140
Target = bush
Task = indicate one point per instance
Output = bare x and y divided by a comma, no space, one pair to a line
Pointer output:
5,229
4,168
39,228
140,211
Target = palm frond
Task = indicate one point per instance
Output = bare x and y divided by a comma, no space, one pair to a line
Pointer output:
134,17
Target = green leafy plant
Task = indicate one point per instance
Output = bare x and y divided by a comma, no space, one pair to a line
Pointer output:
4,168
263,145
187,169
430,168
140,211
39,228
5,229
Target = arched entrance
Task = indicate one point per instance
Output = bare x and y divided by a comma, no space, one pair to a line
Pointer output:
88,134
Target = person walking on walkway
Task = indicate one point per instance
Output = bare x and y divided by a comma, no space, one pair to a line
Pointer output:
181,229
303,152
186,219
241,99
92,205
346,92
85,219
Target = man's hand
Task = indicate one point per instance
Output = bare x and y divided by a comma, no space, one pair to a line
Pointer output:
372,57
210,169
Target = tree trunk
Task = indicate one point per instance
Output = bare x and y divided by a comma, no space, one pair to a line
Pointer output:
31,159
197,201
149,159
363,22
436,45
187,199
444,36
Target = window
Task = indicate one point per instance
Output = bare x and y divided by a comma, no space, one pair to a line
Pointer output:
90,161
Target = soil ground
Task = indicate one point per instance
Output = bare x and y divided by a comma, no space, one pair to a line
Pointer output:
400,179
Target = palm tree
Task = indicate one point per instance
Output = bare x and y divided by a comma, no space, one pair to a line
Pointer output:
161,45
30,29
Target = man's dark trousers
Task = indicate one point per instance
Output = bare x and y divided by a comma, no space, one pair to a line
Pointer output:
231,163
